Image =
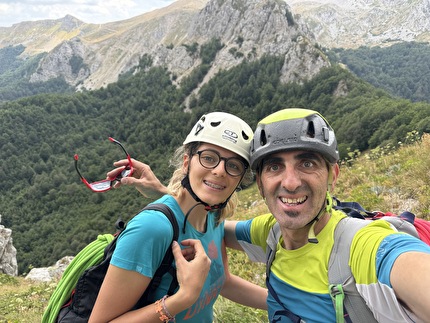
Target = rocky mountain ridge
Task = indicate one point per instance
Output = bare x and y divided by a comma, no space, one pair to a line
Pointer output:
91,56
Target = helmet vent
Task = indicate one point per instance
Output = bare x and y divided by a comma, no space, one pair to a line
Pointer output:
311,130
245,136
215,124
263,139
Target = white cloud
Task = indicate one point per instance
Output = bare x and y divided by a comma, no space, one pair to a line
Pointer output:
90,11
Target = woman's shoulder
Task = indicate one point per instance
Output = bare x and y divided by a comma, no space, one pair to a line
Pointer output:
154,221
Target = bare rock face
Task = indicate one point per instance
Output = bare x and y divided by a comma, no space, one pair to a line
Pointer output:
90,56
8,263
52,273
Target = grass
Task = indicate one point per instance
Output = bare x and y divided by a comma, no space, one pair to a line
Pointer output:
387,179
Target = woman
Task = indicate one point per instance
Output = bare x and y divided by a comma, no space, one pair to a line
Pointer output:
211,164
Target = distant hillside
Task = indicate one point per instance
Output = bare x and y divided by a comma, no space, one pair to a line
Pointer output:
90,56
402,69
352,23
15,73
67,54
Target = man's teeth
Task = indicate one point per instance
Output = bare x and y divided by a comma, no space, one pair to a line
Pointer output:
293,201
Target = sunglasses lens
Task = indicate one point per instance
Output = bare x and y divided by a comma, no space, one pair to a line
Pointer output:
100,186
126,172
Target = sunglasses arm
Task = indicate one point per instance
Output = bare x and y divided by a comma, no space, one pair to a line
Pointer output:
79,173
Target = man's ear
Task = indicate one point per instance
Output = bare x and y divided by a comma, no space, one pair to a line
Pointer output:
335,175
259,184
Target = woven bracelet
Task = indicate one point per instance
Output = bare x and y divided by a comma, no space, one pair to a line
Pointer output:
161,309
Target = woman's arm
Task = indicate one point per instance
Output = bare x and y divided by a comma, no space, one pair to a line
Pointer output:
122,289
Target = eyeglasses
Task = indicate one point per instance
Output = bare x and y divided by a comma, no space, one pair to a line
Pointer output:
106,184
210,159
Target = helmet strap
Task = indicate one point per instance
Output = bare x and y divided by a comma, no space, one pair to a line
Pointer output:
326,207
188,213
186,183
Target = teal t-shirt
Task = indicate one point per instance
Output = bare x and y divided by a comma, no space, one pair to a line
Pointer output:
143,244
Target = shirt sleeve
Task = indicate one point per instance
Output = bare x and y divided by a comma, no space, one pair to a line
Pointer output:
144,242
391,247
252,235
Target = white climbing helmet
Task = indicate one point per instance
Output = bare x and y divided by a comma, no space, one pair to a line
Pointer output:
224,130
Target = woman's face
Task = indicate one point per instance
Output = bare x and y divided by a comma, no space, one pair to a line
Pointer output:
213,186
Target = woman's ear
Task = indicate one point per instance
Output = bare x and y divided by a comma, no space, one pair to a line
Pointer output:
185,164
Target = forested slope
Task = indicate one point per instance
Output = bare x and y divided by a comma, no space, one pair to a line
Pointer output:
52,214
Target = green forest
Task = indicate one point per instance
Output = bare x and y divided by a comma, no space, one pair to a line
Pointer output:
402,69
52,214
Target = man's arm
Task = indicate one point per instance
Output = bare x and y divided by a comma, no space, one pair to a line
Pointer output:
230,235
240,290
143,179
410,278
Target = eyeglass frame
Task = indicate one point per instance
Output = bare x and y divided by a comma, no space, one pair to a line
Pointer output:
126,172
225,159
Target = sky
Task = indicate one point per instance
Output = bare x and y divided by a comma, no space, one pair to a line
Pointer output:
89,11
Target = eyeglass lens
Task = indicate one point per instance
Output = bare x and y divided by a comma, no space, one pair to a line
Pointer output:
211,159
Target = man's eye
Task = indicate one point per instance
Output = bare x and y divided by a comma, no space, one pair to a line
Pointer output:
308,164
273,168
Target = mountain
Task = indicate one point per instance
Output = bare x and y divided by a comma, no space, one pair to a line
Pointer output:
256,47
355,23
90,56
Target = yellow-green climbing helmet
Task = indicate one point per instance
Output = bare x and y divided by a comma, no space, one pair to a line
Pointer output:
293,129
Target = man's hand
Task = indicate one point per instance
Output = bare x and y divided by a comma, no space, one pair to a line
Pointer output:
143,179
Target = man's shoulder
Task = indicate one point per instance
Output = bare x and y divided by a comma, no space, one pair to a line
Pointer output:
264,222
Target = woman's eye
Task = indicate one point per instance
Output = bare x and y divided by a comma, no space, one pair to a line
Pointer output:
208,159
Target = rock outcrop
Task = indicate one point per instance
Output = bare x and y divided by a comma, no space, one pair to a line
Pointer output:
8,263
51,273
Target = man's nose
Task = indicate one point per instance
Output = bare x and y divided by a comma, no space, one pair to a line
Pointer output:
291,179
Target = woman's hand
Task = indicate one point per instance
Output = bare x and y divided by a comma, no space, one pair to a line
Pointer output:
143,179
192,266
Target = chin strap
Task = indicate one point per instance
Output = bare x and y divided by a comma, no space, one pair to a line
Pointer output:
326,207
188,213
186,183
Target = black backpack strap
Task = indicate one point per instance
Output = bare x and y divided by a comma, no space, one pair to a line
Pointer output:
166,264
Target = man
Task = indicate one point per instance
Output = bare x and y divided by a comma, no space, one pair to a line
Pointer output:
294,154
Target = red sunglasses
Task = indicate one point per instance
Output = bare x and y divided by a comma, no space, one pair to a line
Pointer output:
106,184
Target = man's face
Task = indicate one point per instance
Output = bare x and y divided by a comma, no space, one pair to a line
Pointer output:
295,185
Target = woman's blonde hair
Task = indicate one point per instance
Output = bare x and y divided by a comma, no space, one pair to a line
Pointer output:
176,189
